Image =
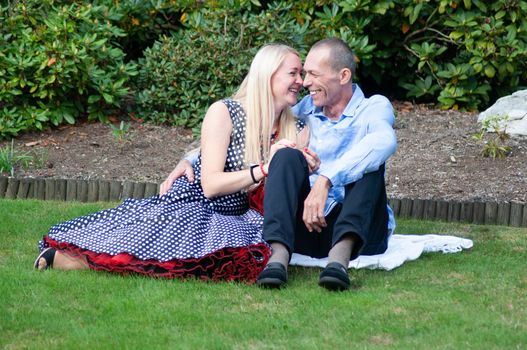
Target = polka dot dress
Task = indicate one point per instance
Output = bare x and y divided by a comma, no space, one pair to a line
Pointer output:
179,234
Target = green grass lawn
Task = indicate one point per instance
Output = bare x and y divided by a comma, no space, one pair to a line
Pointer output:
475,299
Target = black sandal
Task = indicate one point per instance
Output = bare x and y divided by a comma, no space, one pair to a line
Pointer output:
47,254
334,277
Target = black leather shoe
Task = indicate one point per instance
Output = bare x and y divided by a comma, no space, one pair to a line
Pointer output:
274,275
334,277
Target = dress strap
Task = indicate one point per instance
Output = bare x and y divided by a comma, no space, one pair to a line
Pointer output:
238,118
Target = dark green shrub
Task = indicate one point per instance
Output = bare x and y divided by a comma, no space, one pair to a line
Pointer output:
144,21
181,75
479,51
61,60
461,54
57,63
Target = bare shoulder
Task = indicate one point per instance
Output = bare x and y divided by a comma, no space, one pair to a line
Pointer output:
217,110
217,115
217,119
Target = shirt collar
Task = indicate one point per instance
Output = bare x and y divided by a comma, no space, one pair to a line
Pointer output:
351,107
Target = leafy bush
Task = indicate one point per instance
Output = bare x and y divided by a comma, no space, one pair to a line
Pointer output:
58,62
144,21
181,75
459,53
61,60
478,51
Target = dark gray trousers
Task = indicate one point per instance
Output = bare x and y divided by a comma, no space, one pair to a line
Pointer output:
363,213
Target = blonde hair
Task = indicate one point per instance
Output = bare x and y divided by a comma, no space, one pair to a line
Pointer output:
256,96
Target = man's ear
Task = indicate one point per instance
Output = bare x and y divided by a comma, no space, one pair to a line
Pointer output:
345,76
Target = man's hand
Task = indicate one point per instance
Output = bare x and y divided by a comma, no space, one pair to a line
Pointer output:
314,205
312,159
184,167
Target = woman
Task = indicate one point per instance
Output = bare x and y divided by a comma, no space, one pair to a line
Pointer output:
203,228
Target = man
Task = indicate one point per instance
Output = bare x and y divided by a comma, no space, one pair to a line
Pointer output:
341,210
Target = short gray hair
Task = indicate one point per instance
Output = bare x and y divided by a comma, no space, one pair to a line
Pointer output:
340,54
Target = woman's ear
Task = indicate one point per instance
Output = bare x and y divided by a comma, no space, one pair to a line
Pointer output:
345,76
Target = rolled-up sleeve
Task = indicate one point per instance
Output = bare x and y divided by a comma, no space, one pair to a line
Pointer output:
371,151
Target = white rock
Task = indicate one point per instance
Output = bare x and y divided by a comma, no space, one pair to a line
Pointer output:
517,127
515,107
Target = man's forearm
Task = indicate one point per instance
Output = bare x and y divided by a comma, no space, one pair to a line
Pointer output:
365,157
192,156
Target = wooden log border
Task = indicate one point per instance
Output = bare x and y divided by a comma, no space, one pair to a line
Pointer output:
487,213
75,189
478,212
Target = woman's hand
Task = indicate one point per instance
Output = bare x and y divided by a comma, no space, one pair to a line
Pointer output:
312,160
184,167
283,143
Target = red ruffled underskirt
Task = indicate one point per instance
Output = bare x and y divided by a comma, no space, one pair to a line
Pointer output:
256,198
227,264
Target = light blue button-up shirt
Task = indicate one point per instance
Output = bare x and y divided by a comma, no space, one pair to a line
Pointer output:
359,142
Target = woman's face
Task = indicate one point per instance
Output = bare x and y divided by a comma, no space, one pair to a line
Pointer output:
286,82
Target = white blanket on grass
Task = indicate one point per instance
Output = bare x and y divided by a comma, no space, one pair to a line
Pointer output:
401,248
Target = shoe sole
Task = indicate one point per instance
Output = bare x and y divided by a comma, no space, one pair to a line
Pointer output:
270,283
333,283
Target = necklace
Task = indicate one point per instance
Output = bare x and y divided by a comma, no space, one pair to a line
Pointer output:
274,136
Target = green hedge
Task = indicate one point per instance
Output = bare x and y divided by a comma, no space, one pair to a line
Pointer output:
62,60
460,54
145,21
182,74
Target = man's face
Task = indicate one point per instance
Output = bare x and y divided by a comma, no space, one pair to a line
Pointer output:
320,79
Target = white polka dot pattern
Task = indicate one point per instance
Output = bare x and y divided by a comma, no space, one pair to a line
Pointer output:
179,225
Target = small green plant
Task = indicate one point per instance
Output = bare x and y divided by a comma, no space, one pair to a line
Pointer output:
495,146
11,159
120,132
39,158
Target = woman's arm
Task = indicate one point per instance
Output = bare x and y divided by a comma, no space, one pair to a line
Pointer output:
303,138
215,137
303,144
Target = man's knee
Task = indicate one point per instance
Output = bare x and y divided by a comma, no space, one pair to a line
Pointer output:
374,176
368,188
